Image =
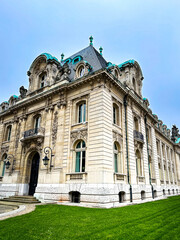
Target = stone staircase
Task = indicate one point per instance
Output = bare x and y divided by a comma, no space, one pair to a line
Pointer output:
21,199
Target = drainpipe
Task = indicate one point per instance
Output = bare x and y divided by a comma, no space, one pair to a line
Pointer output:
127,157
145,120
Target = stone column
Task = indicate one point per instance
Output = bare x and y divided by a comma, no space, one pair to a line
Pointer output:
155,156
167,164
162,162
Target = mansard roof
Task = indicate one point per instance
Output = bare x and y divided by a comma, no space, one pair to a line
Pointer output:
89,55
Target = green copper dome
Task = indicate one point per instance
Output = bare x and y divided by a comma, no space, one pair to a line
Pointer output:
49,56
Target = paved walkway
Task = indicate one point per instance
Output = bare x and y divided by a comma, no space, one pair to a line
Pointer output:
11,209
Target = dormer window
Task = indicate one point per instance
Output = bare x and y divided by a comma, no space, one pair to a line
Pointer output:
81,71
134,84
42,81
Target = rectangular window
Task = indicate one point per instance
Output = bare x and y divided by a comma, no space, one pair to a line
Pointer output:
9,134
114,115
84,113
80,113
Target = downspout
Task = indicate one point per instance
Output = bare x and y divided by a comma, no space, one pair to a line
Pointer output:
145,120
127,157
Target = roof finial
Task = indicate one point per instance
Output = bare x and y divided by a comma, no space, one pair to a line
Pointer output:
100,50
62,57
91,40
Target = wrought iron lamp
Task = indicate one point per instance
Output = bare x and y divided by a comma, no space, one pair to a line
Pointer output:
48,150
8,163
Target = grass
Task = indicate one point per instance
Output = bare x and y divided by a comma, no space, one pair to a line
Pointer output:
153,220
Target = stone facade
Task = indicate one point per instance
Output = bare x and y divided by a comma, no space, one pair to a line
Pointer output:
107,146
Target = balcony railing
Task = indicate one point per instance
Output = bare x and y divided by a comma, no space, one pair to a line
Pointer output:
33,132
138,136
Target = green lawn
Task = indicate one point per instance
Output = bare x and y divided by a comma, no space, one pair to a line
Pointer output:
154,220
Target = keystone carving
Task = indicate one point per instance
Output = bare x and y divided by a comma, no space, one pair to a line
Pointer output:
79,134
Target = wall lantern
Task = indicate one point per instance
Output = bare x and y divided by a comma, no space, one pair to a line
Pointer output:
48,150
8,163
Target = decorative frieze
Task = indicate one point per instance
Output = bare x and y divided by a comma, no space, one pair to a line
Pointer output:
55,128
79,134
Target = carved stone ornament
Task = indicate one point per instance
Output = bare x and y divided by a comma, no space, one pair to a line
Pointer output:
35,143
146,102
4,149
63,73
17,136
79,134
62,101
55,128
117,137
23,92
175,133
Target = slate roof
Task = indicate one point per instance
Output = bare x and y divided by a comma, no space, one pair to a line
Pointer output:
92,56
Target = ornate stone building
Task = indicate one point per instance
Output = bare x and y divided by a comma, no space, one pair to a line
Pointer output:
106,145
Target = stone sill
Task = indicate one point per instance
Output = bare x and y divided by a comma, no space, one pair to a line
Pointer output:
77,124
119,176
76,176
5,142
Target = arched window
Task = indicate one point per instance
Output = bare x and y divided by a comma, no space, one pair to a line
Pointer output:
82,112
164,192
80,150
8,133
138,164
117,158
134,84
81,71
2,165
115,114
42,79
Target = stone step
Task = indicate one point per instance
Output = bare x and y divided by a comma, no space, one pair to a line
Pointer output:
24,197
20,200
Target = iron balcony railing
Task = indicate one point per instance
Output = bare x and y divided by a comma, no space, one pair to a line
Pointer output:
138,136
33,132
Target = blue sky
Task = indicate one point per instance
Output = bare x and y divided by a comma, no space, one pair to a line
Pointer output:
147,31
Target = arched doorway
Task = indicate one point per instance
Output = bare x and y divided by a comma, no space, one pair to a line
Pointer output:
34,174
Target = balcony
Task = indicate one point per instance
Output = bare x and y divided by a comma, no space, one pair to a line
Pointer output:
33,133
138,136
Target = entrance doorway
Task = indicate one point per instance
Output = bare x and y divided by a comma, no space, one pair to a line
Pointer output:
34,174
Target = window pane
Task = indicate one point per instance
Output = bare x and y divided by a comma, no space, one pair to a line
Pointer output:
9,133
78,145
3,171
80,113
115,146
115,163
78,154
83,144
114,115
83,161
84,116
